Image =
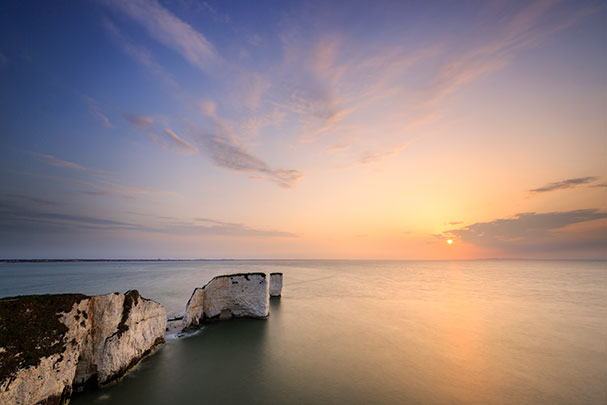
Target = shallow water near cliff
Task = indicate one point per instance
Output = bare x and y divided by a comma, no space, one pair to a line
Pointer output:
484,332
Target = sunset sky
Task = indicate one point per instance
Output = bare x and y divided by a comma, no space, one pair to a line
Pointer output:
329,129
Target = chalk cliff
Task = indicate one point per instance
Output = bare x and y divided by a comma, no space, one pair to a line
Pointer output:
50,343
194,310
232,295
275,284
238,295
125,327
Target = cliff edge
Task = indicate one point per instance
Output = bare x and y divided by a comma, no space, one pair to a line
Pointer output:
232,295
52,343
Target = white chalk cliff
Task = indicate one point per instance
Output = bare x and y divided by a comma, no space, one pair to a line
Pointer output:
194,310
275,284
50,343
232,295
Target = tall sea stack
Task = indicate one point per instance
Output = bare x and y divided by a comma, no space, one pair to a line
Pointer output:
275,284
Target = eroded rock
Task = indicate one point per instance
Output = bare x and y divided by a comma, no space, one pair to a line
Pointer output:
50,343
245,295
194,309
126,327
40,341
275,284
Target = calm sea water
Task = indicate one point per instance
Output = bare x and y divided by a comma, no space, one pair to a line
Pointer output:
361,332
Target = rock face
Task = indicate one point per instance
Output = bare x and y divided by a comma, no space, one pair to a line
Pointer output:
126,327
275,284
194,309
243,295
40,341
50,343
232,295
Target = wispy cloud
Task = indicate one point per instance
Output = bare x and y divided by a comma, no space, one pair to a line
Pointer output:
166,138
334,86
104,186
141,56
53,161
374,157
229,155
169,30
178,144
141,121
96,111
523,28
223,146
17,218
114,188
560,185
31,199
530,229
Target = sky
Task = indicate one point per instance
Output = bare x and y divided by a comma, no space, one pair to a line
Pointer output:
313,129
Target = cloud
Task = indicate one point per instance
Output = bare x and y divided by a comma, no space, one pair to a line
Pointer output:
53,161
374,157
20,218
248,90
569,183
331,84
222,146
94,107
178,143
141,56
169,30
141,121
15,218
117,189
524,28
537,230
31,199
105,187
229,155
168,140
455,223
336,148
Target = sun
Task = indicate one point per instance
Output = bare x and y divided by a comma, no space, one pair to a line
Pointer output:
450,242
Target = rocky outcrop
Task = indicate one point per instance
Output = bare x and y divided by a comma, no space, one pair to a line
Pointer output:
125,327
40,341
238,295
233,295
194,310
275,284
51,343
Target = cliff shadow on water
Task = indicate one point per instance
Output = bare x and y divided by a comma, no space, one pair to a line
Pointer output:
223,362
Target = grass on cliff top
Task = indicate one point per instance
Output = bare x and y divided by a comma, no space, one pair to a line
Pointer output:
30,329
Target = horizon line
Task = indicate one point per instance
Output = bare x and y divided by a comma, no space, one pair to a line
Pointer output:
67,260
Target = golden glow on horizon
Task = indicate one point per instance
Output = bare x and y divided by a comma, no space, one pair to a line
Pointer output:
450,242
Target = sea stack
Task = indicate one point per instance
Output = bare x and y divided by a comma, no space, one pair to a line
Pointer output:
243,295
275,284
194,310
50,344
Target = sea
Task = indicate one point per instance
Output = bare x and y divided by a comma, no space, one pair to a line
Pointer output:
363,332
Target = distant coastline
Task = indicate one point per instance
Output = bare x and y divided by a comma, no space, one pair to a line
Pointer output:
290,260
107,260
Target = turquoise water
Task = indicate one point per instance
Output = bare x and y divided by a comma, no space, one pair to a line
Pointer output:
359,332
